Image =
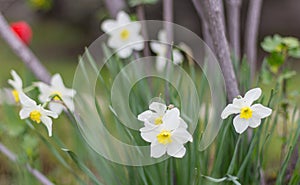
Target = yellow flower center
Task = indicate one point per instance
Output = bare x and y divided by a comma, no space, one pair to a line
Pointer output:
246,113
35,116
124,34
56,95
158,120
15,94
164,137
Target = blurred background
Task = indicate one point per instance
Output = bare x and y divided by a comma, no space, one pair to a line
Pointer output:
63,28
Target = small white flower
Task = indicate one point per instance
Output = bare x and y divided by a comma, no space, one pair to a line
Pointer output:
161,49
165,130
17,85
36,112
155,115
57,88
248,114
123,32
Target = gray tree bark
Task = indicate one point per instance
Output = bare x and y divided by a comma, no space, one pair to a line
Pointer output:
217,30
23,52
252,25
233,21
114,6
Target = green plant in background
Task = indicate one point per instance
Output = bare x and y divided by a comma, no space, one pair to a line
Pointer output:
43,5
277,66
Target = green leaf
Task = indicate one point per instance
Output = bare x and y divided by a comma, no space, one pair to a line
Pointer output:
133,3
82,166
286,75
271,44
291,42
275,60
29,144
294,53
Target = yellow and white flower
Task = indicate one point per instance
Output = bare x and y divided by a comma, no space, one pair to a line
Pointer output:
161,49
155,115
17,85
248,115
57,91
165,130
123,32
35,112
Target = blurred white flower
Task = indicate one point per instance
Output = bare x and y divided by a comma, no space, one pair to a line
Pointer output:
161,49
248,114
165,130
17,85
122,33
36,112
59,91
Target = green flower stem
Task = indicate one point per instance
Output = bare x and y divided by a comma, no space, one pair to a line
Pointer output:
233,160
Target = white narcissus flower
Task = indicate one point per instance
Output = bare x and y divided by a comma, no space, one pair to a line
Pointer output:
123,32
57,88
161,49
17,85
155,114
36,112
165,130
248,115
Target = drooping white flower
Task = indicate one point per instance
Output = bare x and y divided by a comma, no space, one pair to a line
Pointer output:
17,85
59,91
161,49
248,115
35,112
165,130
123,32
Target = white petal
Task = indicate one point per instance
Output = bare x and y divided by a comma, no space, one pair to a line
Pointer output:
180,153
175,149
162,36
114,41
240,124
261,111
157,107
49,113
109,25
254,122
156,47
48,123
45,91
16,82
56,107
123,18
139,43
149,136
183,124
25,112
56,81
177,57
69,103
68,92
134,28
125,52
26,101
240,102
252,95
160,63
157,150
171,119
149,127
182,136
146,115
230,109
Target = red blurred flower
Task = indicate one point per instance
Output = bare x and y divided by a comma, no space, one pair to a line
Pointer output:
23,31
